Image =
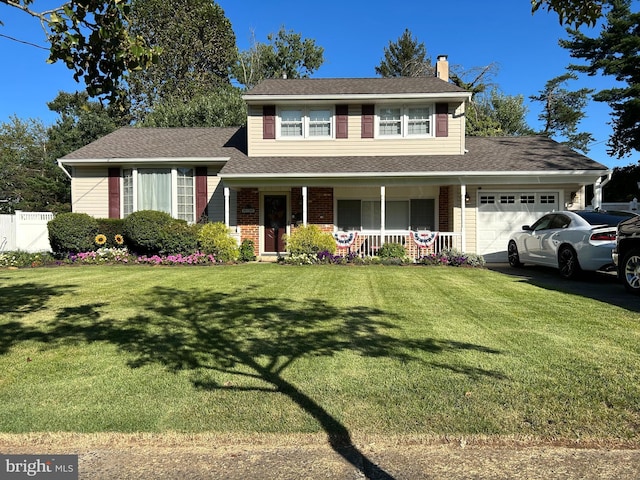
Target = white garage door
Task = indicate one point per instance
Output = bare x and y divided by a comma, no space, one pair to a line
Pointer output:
502,213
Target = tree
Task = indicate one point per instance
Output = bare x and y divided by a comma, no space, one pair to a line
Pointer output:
198,49
572,12
29,178
496,114
623,186
92,39
562,111
490,112
405,57
287,55
81,122
222,108
616,53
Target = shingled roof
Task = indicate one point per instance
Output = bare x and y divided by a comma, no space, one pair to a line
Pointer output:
158,143
484,155
534,154
310,87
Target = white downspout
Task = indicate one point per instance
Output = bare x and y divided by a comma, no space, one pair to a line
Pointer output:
64,169
598,192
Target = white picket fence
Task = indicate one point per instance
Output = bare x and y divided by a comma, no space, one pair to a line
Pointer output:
26,231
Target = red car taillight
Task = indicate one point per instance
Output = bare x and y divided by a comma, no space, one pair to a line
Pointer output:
603,237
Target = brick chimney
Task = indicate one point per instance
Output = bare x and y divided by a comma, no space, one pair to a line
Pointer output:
442,68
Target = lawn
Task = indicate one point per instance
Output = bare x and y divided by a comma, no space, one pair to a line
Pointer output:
282,349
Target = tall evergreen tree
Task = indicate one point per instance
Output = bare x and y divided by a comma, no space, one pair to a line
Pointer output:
406,57
615,53
562,111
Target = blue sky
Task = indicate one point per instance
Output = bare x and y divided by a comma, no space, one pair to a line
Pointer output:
354,34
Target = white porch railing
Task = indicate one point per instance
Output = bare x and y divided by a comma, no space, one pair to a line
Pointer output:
367,244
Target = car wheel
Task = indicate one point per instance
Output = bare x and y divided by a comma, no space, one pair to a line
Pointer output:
514,256
631,271
568,263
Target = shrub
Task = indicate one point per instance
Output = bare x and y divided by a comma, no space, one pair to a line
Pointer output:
214,239
143,231
454,258
392,253
178,237
72,233
310,240
112,229
247,253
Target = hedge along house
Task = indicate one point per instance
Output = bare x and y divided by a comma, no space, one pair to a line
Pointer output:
371,160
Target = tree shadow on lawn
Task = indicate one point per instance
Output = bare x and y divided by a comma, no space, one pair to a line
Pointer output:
17,300
255,337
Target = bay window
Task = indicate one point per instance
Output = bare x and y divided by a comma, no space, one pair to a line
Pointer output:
170,190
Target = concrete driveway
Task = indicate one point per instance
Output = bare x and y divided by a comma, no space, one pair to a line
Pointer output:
603,287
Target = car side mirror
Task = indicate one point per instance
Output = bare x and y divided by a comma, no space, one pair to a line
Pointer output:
526,228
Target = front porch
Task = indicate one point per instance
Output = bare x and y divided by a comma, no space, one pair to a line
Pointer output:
361,219
417,244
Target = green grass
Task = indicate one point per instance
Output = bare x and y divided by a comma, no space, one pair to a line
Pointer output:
270,348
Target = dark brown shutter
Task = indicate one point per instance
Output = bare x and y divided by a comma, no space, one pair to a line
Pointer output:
114,193
442,119
368,113
269,122
342,121
202,198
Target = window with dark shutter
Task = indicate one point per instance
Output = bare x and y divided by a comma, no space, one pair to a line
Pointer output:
442,120
269,122
114,193
342,121
368,115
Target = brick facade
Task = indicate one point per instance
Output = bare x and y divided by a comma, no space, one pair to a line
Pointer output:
249,216
444,224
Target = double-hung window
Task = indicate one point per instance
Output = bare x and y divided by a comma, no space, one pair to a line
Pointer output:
405,121
305,123
170,190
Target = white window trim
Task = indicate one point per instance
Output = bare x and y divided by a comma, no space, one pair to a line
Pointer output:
404,120
305,112
174,189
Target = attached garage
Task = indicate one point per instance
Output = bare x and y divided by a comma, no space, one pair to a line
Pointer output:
500,213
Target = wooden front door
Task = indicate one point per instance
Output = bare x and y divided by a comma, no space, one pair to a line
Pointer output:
275,222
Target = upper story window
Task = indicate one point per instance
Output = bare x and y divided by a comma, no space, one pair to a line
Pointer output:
305,123
404,121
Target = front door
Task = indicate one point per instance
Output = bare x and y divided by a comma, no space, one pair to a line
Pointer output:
275,222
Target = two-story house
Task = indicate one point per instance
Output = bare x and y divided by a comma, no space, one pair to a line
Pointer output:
372,160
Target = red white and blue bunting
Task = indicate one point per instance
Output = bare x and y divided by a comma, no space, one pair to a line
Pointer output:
424,238
345,239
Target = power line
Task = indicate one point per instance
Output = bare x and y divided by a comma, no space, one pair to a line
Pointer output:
22,41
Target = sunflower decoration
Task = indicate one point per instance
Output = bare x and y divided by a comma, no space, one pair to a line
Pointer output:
119,239
100,239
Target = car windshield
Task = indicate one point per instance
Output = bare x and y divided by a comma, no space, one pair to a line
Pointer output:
610,219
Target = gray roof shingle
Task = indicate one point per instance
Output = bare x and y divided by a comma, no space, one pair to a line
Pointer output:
485,154
150,143
309,87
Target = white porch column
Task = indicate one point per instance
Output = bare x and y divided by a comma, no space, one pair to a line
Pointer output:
227,196
463,214
383,213
304,206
